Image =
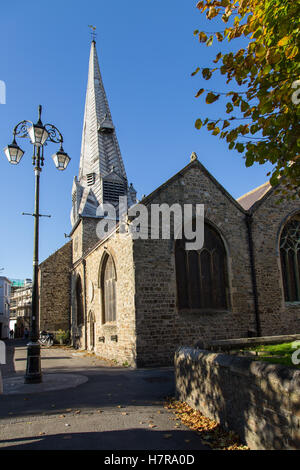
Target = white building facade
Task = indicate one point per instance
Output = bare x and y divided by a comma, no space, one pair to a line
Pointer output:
5,286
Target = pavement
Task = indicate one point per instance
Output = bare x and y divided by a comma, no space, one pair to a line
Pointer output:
96,406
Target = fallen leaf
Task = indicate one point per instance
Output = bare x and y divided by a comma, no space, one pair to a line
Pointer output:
208,430
167,436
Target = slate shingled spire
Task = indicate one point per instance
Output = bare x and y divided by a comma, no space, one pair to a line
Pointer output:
102,176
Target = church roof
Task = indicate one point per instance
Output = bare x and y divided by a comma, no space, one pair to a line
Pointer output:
250,198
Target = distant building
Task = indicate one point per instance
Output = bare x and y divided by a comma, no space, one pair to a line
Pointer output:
20,306
4,306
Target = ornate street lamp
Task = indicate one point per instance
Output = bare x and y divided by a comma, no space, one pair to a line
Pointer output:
39,135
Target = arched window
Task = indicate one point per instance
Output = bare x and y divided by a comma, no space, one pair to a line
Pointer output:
202,275
290,259
108,290
79,302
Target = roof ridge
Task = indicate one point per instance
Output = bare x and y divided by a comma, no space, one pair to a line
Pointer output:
253,190
192,163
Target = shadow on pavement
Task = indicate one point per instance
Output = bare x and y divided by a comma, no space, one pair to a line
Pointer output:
104,389
134,439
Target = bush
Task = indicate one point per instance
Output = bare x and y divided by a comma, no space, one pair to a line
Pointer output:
62,336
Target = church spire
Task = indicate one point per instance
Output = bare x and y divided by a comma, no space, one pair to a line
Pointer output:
102,176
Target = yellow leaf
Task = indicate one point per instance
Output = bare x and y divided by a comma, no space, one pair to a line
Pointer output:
283,41
291,52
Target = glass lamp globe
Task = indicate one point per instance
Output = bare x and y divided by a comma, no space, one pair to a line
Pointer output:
61,159
38,135
13,153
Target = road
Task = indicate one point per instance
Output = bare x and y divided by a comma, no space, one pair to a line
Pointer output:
116,409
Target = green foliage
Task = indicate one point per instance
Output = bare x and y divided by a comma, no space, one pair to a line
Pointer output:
266,72
276,353
63,336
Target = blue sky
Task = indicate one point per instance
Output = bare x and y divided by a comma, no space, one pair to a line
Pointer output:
147,53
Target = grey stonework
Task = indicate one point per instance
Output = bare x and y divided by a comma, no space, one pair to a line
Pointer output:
89,269
269,218
55,290
259,401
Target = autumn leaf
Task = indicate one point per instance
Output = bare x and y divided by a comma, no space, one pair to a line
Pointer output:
211,98
198,124
195,72
199,93
283,41
202,37
210,41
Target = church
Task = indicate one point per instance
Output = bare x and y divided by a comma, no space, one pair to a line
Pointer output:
135,300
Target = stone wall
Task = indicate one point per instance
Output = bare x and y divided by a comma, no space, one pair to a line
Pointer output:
269,218
89,268
161,327
84,237
55,290
257,400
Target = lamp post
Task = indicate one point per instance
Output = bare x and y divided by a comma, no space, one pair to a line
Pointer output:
39,135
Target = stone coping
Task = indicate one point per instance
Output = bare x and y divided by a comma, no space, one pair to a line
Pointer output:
282,377
228,344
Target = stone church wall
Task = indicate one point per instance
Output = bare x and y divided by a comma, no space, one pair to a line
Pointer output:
55,290
123,350
84,237
161,327
277,316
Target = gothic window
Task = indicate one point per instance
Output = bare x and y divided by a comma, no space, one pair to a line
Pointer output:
202,275
290,259
108,289
79,302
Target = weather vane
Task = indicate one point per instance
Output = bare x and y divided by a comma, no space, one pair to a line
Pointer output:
93,32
